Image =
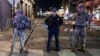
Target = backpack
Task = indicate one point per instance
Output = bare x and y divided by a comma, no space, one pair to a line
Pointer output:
22,23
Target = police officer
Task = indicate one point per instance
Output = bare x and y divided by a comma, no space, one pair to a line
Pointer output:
53,22
81,20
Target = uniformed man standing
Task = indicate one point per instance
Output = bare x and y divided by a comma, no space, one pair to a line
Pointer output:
53,22
81,20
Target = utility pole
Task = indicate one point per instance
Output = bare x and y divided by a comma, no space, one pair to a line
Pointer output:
13,13
13,8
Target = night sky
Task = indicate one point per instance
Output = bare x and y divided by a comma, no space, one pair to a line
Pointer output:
46,4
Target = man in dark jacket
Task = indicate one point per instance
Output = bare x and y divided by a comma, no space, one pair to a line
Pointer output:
53,22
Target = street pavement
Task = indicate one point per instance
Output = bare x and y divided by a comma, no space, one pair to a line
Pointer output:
38,42
6,42
63,52
36,45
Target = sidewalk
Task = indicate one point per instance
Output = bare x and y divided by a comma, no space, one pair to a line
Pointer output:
6,41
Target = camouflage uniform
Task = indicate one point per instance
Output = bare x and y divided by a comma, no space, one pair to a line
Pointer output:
80,30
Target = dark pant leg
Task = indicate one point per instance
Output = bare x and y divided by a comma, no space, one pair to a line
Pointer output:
56,34
50,35
83,35
75,38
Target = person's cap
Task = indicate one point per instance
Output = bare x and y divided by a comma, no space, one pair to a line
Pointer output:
19,11
54,9
81,6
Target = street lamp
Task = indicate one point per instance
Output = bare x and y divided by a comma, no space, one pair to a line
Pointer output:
13,13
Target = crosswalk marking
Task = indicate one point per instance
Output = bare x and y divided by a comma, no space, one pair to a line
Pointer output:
51,53
2,54
35,53
66,53
94,52
1,35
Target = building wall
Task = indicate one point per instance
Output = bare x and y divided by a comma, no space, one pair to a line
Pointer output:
5,9
27,9
0,15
